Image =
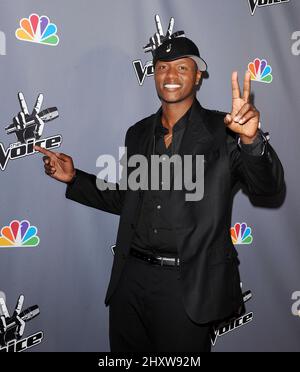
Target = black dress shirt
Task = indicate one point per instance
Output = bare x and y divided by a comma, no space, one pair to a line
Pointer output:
153,230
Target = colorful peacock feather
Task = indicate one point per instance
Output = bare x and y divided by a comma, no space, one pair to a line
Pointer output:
19,234
37,29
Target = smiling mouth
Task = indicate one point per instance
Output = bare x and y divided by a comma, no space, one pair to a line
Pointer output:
172,86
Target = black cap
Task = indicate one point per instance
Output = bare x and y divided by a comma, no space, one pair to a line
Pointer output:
179,47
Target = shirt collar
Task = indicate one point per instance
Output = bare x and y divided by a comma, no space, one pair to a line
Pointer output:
180,124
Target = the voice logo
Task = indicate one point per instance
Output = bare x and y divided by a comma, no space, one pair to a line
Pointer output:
253,4
142,71
233,324
28,128
12,327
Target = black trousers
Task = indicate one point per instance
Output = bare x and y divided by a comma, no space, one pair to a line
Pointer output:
146,312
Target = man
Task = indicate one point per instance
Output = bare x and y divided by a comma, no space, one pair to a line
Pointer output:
175,269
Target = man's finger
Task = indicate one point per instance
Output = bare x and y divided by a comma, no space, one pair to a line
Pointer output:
236,93
246,107
62,156
23,104
228,119
247,86
46,160
248,116
19,305
170,27
38,104
48,168
158,25
48,153
49,172
3,308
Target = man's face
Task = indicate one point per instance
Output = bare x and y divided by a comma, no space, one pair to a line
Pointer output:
176,80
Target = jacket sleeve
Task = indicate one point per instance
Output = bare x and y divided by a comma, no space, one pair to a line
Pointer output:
84,190
263,175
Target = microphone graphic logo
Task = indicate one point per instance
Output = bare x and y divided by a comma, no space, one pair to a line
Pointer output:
12,327
30,126
25,315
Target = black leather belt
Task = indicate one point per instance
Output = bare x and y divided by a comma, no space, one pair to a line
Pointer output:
153,259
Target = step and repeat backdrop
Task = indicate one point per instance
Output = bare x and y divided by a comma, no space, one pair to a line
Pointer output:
74,77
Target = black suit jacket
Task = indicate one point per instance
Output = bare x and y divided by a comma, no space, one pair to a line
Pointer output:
209,266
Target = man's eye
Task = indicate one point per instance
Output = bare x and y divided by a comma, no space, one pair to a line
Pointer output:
182,68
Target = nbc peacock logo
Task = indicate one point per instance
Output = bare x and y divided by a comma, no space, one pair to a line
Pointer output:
260,71
241,234
19,234
36,29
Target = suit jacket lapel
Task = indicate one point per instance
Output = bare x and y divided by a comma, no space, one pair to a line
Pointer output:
146,141
197,139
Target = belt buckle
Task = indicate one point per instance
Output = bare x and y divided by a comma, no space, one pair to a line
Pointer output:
173,261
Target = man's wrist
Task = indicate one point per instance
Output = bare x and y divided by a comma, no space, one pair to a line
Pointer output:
248,140
258,146
73,178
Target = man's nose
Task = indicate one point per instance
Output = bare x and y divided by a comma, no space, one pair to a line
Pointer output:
172,72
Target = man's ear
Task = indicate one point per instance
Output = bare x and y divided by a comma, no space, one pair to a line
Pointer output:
198,77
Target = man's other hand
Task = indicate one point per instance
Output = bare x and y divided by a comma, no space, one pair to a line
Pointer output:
57,165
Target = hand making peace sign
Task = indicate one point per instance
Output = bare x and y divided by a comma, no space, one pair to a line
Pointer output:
244,118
